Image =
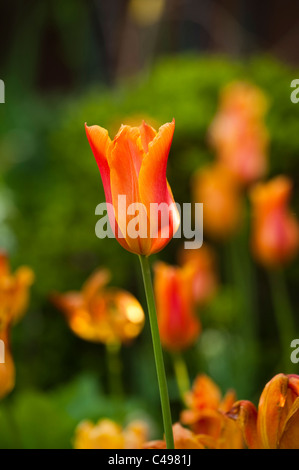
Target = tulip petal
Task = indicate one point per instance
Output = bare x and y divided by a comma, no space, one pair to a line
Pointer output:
99,141
270,411
152,176
290,434
147,135
100,144
94,283
154,188
125,160
245,414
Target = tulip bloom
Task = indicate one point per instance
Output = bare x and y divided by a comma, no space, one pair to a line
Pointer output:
206,414
133,171
7,368
216,188
238,132
178,325
202,263
101,314
14,291
106,434
275,424
275,236
183,439
14,296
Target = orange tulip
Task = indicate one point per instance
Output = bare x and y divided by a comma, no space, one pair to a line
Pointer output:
204,279
7,368
14,295
206,414
178,325
183,439
101,314
217,189
186,439
133,166
275,425
238,133
14,291
275,236
106,434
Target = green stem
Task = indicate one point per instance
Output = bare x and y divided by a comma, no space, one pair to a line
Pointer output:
283,313
181,373
114,369
166,413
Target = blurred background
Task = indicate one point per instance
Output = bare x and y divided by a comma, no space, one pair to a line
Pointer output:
107,63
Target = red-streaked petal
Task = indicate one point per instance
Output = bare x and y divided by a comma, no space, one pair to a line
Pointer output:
99,141
100,144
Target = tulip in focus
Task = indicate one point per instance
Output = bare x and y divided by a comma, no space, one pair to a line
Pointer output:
101,314
275,424
206,414
179,326
217,189
133,166
106,434
275,234
238,132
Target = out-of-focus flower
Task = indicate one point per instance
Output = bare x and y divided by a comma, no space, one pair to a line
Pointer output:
238,132
206,414
14,296
101,314
216,188
275,424
183,439
7,368
14,291
106,434
275,233
178,324
133,166
203,265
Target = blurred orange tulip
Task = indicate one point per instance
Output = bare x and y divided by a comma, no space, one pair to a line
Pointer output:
206,414
101,314
134,165
204,279
275,233
217,189
178,325
14,291
183,439
7,368
14,296
238,132
275,425
106,434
